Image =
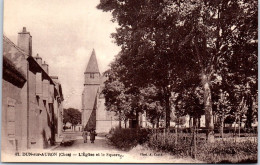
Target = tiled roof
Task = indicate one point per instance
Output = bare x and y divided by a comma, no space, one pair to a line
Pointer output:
12,44
92,66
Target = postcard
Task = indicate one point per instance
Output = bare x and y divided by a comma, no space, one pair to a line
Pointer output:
119,81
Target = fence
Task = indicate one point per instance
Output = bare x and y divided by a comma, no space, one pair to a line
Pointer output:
186,141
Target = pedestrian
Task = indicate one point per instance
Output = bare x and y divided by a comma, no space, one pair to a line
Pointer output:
85,136
93,134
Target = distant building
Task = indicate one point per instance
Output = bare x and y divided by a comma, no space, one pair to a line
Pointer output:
94,113
31,99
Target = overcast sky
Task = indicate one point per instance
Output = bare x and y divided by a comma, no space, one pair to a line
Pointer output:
64,32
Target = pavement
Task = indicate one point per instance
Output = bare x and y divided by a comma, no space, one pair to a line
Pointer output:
79,145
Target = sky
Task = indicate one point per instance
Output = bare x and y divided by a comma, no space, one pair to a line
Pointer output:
64,33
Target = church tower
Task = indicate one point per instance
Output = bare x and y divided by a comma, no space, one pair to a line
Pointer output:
90,93
92,74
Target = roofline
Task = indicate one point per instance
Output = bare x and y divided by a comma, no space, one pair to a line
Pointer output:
28,57
92,72
43,71
13,44
12,74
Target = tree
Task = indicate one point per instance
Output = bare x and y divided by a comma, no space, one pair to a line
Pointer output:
213,29
129,102
146,58
164,41
243,64
190,101
150,102
72,115
223,108
179,120
116,99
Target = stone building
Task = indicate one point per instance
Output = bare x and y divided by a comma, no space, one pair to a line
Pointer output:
94,113
14,78
58,108
31,99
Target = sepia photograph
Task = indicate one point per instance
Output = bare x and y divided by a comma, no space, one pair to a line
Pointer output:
130,81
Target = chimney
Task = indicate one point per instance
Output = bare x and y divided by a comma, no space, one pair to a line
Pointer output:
38,59
25,41
45,67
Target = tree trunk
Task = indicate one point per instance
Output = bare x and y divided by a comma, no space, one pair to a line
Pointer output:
222,127
235,130
137,119
125,122
176,132
190,123
198,126
239,127
168,109
249,114
193,141
208,108
120,120
194,122
158,122
195,138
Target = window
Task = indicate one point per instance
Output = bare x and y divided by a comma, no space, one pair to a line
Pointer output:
11,118
92,75
10,121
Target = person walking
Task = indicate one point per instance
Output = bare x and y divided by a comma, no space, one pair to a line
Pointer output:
93,134
85,136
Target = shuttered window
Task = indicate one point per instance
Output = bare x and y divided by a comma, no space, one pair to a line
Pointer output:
11,118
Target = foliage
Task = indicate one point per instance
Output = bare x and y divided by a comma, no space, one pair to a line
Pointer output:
189,101
120,98
219,151
228,151
222,104
150,102
168,143
178,43
140,57
126,139
72,115
129,101
179,120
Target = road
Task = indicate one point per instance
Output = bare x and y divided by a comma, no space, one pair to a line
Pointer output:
101,152
78,145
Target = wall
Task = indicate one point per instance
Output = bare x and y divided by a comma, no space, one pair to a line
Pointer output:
88,102
105,119
12,53
94,80
33,102
11,112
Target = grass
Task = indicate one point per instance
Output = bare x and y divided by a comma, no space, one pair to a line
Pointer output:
217,152
182,146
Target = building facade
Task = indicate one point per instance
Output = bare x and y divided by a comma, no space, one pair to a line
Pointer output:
31,101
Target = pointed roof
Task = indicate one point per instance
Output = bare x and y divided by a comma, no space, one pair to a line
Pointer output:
92,63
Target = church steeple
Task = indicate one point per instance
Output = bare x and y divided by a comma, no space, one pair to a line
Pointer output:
92,74
92,66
